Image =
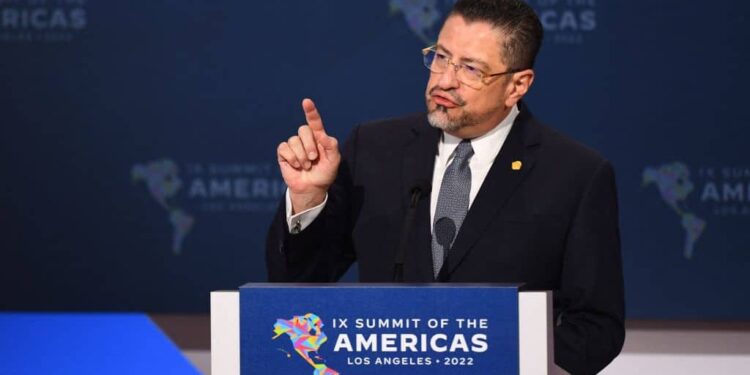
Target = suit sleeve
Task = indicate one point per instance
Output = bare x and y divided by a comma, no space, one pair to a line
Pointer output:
589,330
323,251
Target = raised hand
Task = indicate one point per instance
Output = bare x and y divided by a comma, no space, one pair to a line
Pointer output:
309,161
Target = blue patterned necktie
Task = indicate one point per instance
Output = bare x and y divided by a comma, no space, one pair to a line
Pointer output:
452,204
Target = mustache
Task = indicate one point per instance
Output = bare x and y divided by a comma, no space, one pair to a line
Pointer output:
454,97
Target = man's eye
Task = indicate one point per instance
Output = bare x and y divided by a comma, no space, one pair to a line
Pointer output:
473,70
440,57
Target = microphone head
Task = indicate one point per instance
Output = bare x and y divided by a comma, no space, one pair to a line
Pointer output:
423,186
420,189
445,231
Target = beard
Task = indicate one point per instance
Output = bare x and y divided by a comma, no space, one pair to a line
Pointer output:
441,118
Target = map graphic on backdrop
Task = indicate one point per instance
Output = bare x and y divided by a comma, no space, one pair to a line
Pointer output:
674,184
714,191
211,187
163,182
565,22
424,17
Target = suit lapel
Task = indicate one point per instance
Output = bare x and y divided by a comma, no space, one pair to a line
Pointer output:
419,161
500,183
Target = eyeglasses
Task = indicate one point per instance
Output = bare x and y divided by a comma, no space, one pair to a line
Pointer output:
471,76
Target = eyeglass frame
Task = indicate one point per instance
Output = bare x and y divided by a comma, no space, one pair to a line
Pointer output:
456,67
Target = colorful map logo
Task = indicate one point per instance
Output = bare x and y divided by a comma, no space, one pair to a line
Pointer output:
306,334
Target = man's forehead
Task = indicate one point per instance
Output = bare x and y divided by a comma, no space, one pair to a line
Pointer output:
474,40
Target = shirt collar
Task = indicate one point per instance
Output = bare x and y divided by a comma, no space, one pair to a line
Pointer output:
486,147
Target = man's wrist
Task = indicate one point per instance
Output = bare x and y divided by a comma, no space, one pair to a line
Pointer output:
306,201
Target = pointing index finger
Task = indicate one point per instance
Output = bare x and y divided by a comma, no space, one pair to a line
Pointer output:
312,116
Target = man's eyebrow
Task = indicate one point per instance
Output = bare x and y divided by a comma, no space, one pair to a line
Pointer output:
476,61
464,59
440,47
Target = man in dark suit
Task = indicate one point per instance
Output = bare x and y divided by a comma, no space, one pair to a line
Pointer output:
477,190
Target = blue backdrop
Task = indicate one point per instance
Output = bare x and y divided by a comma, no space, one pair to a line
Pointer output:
137,144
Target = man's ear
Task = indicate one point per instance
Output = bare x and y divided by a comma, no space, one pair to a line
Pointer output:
519,85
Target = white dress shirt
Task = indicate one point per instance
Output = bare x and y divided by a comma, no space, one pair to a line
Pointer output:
486,148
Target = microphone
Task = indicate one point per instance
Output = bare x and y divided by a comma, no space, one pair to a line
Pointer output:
420,189
445,232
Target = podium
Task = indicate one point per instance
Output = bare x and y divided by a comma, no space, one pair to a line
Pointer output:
328,329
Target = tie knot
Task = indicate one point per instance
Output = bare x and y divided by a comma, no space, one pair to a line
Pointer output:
463,150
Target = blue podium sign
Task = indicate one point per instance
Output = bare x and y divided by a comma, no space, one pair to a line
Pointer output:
378,329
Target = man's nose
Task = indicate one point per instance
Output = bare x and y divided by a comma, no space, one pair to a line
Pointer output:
449,78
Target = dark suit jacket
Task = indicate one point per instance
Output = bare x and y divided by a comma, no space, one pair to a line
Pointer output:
552,225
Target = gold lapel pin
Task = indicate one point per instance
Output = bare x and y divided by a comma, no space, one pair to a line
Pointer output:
516,165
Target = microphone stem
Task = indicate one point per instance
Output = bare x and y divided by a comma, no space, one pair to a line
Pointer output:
398,267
